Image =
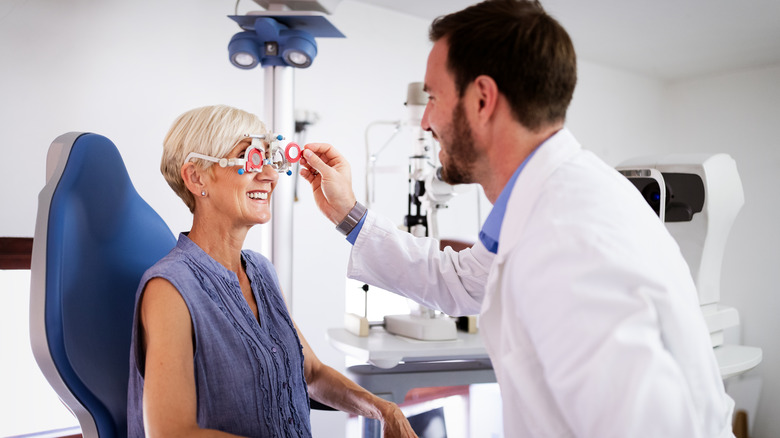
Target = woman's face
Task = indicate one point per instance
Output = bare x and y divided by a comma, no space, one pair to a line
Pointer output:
244,200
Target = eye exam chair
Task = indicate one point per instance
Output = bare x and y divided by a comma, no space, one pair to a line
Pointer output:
94,238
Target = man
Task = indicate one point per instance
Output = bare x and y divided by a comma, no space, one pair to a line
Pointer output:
588,310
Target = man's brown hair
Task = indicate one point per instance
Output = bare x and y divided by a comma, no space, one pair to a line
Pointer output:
527,53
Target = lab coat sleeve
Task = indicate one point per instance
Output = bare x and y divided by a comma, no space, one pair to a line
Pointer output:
594,314
414,267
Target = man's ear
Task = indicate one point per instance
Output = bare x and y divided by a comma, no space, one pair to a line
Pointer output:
485,92
193,178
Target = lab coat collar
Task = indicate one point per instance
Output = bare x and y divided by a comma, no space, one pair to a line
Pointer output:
549,156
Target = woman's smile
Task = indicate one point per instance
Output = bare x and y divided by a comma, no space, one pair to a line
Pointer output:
258,195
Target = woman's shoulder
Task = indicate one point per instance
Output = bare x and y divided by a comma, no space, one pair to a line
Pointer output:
173,267
169,261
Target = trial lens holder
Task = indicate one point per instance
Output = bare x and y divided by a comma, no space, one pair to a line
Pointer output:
260,154
280,159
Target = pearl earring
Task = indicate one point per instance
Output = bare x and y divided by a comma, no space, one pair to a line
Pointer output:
203,193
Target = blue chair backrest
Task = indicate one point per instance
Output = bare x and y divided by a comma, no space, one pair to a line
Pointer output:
94,238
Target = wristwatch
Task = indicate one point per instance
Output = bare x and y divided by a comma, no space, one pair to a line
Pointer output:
353,217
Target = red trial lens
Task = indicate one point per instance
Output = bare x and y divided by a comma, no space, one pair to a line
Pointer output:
254,160
293,152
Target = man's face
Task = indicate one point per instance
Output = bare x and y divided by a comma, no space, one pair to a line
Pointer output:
445,118
457,152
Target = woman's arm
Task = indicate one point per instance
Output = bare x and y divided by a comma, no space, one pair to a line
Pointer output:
332,388
169,400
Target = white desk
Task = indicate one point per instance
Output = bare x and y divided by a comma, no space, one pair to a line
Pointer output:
385,350
397,364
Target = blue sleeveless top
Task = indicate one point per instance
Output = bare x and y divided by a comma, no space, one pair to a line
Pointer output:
248,376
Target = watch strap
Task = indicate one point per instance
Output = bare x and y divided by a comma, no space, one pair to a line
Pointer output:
351,220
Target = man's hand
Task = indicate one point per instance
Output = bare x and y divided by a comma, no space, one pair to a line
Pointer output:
330,177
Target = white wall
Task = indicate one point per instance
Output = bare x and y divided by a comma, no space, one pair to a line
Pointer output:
121,69
127,69
616,114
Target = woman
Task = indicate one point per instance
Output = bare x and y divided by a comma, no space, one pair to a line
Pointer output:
214,350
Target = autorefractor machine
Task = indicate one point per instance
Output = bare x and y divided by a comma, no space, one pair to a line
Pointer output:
698,196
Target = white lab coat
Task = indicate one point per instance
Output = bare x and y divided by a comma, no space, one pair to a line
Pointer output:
588,311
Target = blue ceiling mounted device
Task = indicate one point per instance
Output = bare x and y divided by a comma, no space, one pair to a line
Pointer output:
278,38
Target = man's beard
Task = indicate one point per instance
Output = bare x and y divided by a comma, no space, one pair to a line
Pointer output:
461,153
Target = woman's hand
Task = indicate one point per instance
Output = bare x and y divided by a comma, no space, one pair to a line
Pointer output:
395,424
332,388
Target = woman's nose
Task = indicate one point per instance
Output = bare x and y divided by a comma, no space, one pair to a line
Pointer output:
268,173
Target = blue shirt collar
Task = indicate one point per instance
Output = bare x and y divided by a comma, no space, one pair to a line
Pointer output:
491,229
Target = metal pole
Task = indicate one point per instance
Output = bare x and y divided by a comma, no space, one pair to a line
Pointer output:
280,119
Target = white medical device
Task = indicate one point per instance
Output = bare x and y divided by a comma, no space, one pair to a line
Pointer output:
427,194
698,197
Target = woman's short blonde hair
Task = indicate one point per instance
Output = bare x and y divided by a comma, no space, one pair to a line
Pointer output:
209,130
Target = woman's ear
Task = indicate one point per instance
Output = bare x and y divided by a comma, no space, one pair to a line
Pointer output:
193,178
